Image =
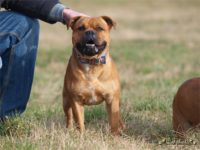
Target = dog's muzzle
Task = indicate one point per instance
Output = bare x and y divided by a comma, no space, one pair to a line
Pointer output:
90,46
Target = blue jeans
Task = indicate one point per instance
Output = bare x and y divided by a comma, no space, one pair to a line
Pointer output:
18,50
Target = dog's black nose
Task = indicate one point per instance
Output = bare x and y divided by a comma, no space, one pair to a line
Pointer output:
90,36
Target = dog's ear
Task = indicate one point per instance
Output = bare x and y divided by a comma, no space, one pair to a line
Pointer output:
109,21
72,22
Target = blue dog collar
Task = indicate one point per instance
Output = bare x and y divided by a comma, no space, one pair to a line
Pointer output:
93,61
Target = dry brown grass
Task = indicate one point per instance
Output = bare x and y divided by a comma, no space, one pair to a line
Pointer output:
156,48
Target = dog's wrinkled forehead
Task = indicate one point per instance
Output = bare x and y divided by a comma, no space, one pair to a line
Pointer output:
92,22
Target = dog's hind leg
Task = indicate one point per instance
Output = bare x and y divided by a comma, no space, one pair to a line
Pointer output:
121,124
180,124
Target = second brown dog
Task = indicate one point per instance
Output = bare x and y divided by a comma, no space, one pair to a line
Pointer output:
186,106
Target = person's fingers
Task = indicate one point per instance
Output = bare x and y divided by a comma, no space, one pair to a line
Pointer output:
69,14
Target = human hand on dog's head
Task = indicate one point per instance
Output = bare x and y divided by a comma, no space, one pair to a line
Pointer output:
69,14
109,21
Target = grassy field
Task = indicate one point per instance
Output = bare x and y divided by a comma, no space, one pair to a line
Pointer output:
156,48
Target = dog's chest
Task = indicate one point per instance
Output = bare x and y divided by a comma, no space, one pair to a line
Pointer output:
91,96
94,92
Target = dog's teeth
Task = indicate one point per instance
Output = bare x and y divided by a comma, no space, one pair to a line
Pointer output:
96,49
90,45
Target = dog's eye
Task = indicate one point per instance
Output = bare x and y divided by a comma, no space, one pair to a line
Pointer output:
99,28
81,28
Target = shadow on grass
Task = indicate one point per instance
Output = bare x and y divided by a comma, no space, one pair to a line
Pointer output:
157,132
148,129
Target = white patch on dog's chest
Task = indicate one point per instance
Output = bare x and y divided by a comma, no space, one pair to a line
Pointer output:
95,92
91,90
93,99
86,67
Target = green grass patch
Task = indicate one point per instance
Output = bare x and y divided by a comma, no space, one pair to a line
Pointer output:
16,126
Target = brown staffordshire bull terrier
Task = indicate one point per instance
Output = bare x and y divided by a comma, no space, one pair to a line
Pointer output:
91,75
186,106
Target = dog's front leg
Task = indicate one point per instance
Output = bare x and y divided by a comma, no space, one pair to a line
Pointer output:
78,112
113,115
68,111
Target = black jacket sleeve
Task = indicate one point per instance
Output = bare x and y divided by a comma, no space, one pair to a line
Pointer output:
34,8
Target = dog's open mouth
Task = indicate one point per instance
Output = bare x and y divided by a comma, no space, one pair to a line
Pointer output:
90,48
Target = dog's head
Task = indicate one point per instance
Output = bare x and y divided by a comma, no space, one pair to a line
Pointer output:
91,35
